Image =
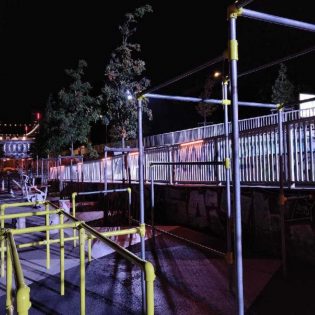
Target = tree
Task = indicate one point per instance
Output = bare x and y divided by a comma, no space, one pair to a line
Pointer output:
283,89
206,110
124,76
77,108
67,119
47,140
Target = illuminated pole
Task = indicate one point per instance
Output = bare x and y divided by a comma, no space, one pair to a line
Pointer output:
141,193
233,56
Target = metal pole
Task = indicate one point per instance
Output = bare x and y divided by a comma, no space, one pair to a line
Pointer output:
152,199
229,251
62,256
105,170
9,305
233,54
47,238
207,101
82,270
277,20
282,199
141,195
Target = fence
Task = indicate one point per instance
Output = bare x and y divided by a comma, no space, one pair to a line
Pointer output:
258,146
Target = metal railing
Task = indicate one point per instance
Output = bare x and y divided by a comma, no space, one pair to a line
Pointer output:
258,151
23,292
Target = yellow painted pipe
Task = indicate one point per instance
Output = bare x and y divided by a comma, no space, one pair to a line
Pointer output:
62,256
23,291
9,305
2,209
23,300
47,222
43,228
73,214
27,214
82,270
149,279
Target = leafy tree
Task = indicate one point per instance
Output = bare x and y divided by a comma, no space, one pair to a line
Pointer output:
47,140
203,109
283,89
77,109
68,119
124,74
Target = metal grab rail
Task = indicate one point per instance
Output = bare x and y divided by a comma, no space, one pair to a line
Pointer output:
146,266
106,191
23,291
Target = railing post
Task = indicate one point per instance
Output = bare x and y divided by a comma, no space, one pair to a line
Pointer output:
2,211
9,305
171,168
23,300
47,222
62,255
82,270
149,278
282,199
73,214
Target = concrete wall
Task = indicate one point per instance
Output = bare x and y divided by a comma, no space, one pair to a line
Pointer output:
204,209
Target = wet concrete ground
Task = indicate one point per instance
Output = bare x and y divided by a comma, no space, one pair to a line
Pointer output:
189,280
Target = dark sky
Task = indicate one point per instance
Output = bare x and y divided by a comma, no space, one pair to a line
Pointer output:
39,39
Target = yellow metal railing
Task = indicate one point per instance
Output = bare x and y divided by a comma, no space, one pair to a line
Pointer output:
146,266
23,291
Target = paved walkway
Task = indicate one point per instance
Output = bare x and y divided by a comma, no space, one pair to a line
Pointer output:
189,280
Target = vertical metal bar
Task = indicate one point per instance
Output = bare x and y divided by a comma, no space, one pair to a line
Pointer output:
152,197
47,222
82,270
171,169
9,305
236,166
62,256
141,195
311,153
305,151
281,196
105,169
229,251
2,211
301,179
73,214
89,248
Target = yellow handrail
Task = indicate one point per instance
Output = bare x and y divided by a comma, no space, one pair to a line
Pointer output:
146,266
23,291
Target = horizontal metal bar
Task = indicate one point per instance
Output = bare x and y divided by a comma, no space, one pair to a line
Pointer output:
208,101
103,191
254,104
46,228
27,214
21,204
183,98
187,163
277,20
121,250
121,150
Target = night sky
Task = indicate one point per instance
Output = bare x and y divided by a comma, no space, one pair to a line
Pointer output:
39,39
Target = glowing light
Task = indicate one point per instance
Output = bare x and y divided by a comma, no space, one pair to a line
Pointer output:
191,143
129,95
217,74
